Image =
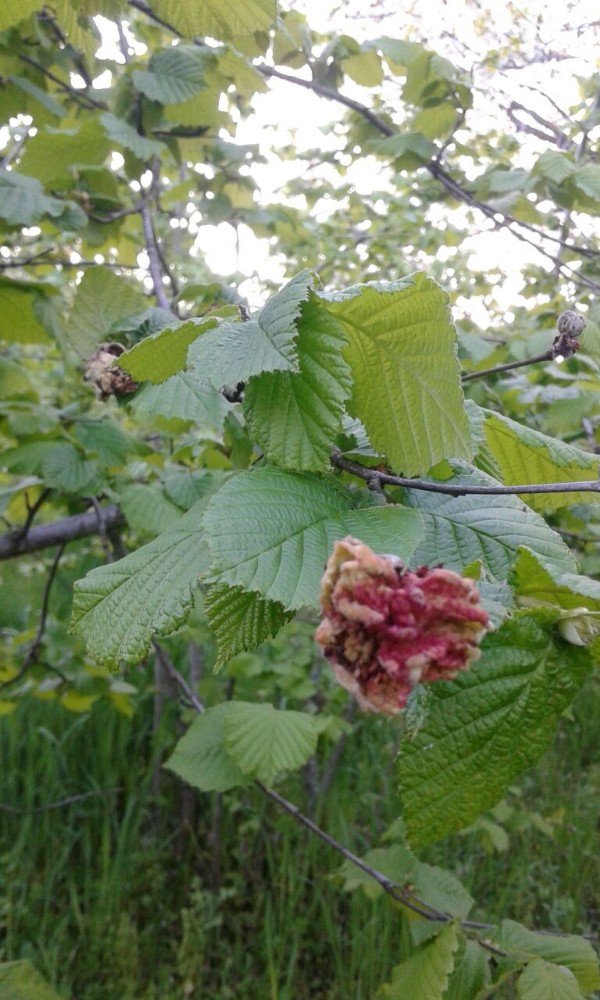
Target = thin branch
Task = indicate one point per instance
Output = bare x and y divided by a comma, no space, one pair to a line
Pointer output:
78,95
455,490
154,258
33,509
59,804
35,647
6,265
438,172
66,530
545,356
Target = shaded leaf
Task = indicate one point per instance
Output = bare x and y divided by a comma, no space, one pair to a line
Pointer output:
241,620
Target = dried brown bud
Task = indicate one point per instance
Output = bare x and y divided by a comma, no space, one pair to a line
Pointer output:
108,378
570,326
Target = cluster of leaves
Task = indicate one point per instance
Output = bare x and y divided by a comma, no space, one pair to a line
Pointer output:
221,463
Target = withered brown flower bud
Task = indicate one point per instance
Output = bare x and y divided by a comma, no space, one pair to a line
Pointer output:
108,378
570,326
386,628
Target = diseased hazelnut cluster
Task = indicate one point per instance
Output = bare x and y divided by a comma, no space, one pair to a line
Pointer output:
108,378
386,628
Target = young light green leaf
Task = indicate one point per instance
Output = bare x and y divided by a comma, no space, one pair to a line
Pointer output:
536,583
163,354
18,314
488,529
174,74
272,531
570,950
234,352
201,757
214,18
102,300
65,468
264,741
295,416
543,981
406,380
118,608
425,974
524,455
241,620
183,396
486,727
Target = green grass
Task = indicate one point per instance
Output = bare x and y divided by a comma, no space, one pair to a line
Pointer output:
131,896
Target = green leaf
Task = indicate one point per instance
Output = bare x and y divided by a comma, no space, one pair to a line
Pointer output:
183,396
107,442
54,154
241,620
527,456
272,531
587,179
64,468
295,417
574,952
102,300
213,17
264,741
488,529
537,583
174,74
471,974
234,352
395,862
485,727
165,353
402,352
147,509
554,166
18,313
128,137
39,95
543,981
21,980
23,201
364,68
409,149
118,608
442,890
201,757
425,974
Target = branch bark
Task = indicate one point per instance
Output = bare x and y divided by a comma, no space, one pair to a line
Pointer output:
15,543
372,476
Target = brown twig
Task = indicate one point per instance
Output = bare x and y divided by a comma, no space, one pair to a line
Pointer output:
470,376
453,489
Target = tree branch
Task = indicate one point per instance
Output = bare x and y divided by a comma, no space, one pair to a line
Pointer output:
68,529
78,95
454,490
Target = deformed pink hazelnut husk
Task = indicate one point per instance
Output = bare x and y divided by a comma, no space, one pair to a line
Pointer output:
386,628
